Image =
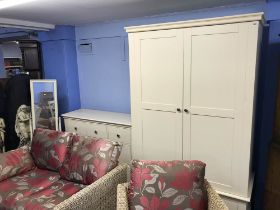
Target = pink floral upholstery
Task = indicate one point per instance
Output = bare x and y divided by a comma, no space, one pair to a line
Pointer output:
89,159
49,148
21,186
49,197
15,162
36,189
160,185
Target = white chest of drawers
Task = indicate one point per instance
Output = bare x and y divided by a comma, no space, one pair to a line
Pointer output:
101,124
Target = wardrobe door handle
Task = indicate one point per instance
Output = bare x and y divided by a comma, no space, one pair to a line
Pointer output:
178,110
185,110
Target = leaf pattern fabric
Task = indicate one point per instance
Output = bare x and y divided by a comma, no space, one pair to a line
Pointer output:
49,197
89,159
2,130
81,159
49,148
24,185
35,189
15,162
167,185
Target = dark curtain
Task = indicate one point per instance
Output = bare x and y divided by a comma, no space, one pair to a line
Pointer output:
17,92
2,101
2,122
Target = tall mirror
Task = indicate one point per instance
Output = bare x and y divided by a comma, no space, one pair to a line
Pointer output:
44,104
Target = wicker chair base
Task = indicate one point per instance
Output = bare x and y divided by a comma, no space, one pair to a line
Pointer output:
100,195
214,200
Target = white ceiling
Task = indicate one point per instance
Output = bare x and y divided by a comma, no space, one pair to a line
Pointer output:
75,12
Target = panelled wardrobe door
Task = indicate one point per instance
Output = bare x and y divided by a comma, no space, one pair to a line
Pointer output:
215,90
157,91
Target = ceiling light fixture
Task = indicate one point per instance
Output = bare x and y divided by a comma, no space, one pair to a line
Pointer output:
10,3
13,23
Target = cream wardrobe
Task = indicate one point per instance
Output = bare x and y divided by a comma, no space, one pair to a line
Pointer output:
193,86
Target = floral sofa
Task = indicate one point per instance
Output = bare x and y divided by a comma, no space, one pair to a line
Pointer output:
61,171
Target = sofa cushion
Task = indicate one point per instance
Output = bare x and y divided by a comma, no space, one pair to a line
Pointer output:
49,197
49,148
15,162
167,185
25,185
89,159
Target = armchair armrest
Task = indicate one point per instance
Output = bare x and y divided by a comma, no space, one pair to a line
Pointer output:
215,202
100,195
122,197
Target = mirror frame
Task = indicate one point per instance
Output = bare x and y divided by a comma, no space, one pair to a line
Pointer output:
53,81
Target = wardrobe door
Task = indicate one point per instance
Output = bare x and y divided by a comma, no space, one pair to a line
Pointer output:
156,63
216,71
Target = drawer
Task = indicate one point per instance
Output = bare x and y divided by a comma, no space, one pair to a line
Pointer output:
120,134
86,128
97,130
125,156
75,126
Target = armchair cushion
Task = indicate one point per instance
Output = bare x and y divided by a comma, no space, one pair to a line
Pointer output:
49,148
89,159
215,202
15,162
167,185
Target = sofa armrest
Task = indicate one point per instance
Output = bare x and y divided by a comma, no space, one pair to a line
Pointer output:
214,200
122,198
15,162
100,195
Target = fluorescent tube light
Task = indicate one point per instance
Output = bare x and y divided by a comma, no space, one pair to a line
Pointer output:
10,3
13,23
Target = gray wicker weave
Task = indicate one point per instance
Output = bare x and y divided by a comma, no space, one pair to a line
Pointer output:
101,195
214,200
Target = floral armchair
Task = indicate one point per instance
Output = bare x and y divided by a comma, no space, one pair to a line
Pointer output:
163,185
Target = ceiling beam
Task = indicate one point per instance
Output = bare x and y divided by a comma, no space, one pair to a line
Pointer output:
14,23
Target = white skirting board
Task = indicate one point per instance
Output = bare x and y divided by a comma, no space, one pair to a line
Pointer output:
234,204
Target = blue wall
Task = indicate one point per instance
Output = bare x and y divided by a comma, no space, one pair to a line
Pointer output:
266,106
272,10
60,63
104,74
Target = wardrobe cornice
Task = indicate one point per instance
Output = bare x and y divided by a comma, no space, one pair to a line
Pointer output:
200,22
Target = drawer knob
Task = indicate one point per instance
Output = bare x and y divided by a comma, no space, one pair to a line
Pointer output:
185,110
178,110
75,128
118,135
95,132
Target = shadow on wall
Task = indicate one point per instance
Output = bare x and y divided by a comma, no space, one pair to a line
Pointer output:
60,63
266,110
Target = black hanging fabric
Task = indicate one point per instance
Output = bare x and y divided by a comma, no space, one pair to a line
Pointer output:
2,116
17,94
2,101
